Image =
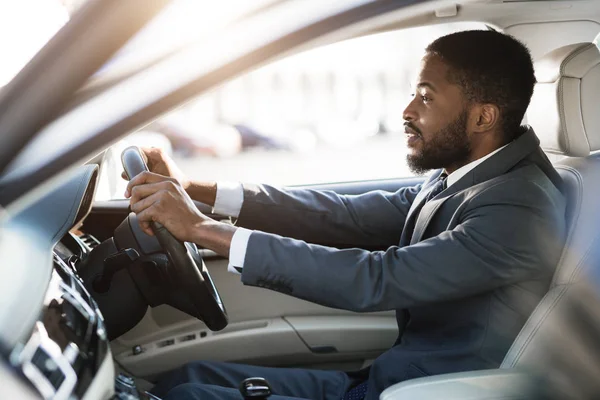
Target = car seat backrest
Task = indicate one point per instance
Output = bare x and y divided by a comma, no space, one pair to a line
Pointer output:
565,114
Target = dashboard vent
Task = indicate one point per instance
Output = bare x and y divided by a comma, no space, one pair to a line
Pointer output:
89,240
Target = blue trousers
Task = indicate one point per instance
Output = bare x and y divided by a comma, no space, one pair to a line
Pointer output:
217,380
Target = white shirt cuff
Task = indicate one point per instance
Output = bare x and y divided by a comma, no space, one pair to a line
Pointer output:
229,199
237,250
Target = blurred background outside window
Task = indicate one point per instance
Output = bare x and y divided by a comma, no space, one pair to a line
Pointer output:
331,114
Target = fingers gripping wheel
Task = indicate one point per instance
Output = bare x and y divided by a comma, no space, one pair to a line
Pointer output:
193,278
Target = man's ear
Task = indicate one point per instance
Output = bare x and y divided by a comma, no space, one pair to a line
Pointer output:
484,118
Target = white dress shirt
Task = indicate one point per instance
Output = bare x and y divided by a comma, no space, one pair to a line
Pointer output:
230,197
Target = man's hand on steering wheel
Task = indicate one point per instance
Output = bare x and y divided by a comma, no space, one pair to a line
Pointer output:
158,162
161,164
161,199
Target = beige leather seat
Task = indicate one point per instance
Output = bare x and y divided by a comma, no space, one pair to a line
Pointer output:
556,340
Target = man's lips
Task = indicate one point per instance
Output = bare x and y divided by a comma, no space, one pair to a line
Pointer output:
412,136
410,131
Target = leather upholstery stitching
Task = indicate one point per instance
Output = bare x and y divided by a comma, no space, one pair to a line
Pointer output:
576,216
535,329
574,54
561,106
587,140
562,117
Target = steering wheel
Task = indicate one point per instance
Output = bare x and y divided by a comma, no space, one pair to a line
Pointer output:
191,275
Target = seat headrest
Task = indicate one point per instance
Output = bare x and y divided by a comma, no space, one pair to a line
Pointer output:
564,106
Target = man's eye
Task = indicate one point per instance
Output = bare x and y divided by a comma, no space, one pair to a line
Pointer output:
425,99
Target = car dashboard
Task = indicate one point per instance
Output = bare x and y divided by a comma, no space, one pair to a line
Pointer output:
53,339
68,343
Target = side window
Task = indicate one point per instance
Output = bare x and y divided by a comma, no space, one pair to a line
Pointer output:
332,114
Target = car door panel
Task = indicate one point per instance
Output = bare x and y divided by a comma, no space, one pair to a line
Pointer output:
343,341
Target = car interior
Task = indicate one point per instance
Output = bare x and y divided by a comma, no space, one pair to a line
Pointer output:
104,315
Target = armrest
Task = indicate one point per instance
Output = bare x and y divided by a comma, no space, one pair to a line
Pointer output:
494,384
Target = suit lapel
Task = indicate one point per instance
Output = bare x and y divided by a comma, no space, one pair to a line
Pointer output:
421,214
424,218
415,209
430,208
409,224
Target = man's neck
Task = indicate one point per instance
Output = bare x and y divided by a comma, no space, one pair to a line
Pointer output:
459,172
480,150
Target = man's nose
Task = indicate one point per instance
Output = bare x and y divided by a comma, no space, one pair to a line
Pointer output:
409,113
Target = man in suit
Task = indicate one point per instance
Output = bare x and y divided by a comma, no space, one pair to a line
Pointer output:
465,257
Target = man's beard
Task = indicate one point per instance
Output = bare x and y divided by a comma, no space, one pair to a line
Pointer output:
448,147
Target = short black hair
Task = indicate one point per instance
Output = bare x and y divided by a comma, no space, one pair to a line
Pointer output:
490,67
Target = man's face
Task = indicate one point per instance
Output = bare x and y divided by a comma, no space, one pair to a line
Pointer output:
436,121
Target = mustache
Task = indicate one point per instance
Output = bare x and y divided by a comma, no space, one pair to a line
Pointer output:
411,126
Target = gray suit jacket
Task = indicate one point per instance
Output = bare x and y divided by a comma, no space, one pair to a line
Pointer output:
463,274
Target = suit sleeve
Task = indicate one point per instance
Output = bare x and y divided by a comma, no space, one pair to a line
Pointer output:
372,219
498,242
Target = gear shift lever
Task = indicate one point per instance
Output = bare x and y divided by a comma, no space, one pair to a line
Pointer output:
255,389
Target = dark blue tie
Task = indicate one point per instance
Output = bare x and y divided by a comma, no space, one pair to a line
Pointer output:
357,392
439,186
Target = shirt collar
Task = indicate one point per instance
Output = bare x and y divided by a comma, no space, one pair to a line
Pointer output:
462,171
